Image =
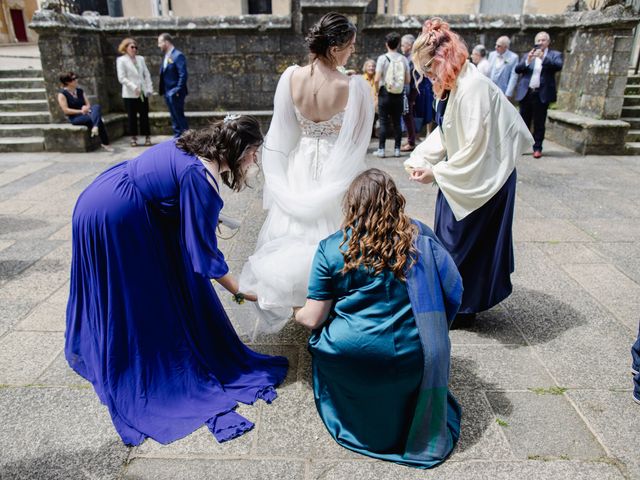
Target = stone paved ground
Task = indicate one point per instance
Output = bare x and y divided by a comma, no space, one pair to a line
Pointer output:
543,379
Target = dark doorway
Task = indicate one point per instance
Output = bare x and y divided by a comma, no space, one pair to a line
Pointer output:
19,28
259,6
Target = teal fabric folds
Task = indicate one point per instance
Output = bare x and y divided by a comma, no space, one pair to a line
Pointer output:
381,362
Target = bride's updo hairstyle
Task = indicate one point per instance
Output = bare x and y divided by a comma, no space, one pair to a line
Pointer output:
448,51
381,234
332,30
224,141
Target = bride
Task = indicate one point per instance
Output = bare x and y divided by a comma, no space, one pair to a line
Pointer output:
315,146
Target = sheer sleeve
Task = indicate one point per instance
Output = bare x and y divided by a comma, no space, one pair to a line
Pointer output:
320,280
200,207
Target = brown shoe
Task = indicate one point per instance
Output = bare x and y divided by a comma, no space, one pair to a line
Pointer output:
147,141
407,147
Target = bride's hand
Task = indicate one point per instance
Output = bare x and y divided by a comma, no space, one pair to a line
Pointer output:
250,297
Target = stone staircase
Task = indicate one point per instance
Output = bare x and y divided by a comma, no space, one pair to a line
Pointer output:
23,111
631,113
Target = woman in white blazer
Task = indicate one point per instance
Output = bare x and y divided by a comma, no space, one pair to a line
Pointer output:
471,157
134,76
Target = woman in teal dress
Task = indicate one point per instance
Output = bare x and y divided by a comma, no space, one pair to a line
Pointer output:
382,293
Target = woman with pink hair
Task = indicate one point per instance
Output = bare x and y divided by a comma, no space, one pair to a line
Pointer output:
471,158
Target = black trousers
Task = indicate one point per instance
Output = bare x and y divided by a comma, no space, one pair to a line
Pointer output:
531,108
390,112
135,107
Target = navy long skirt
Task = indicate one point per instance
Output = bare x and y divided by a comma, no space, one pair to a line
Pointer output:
481,244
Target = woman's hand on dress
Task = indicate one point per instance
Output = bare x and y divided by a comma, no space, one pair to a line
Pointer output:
422,175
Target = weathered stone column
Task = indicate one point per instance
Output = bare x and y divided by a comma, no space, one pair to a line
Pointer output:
592,82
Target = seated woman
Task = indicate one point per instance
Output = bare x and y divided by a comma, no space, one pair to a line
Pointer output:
79,110
382,292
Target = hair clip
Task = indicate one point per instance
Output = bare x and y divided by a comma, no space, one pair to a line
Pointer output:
230,118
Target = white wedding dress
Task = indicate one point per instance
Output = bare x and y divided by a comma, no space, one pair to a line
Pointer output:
308,167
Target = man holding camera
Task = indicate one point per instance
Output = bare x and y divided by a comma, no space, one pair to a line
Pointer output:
537,86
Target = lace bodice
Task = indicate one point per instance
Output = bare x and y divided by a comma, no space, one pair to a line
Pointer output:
325,128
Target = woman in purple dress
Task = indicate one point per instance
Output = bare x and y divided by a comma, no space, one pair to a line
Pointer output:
144,324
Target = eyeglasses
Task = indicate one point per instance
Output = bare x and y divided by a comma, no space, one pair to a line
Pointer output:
425,68
135,47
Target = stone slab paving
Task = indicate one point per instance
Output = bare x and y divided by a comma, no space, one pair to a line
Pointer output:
543,378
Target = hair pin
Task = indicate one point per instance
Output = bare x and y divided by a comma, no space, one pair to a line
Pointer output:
230,118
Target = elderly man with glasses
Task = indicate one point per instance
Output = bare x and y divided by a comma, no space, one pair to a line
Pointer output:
502,63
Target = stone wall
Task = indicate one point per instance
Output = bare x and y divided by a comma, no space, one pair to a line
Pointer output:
596,63
234,62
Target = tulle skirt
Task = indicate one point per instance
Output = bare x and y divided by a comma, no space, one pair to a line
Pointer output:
278,271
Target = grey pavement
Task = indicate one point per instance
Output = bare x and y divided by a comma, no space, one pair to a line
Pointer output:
544,378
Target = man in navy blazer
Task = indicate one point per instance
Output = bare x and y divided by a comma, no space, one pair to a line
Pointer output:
173,82
537,86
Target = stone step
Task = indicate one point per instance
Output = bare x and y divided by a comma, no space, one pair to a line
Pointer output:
633,80
23,105
631,100
632,89
22,144
632,148
634,122
22,93
632,136
24,117
23,130
21,82
631,111
25,72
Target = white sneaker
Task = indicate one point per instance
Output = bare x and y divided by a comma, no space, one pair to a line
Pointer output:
108,148
379,153
396,152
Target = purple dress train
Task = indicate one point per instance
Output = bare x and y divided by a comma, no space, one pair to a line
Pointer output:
144,324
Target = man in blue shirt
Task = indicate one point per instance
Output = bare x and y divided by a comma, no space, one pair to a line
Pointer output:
173,82
502,62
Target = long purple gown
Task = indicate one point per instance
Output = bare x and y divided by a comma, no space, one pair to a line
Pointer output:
144,324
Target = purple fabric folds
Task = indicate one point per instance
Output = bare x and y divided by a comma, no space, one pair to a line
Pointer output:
144,323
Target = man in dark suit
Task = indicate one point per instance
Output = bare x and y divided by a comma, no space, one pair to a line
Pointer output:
537,86
173,82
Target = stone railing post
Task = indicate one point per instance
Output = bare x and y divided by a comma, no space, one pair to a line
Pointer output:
70,42
591,89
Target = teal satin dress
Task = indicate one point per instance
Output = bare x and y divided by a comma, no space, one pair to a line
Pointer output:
367,358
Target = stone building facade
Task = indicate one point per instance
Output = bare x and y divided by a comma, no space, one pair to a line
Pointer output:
15,16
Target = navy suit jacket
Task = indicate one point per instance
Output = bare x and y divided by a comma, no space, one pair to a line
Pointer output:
551,64
173,79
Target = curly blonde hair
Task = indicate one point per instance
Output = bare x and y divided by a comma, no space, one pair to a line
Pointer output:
381,234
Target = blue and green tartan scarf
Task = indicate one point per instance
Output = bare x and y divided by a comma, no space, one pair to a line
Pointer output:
435,292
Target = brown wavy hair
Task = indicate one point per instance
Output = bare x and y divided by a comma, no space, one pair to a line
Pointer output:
382,235
224,141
